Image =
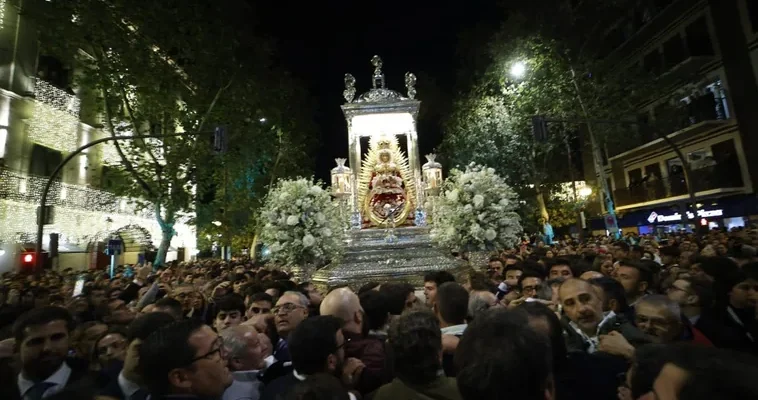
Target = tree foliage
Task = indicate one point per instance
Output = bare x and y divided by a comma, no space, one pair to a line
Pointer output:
165,67
566,79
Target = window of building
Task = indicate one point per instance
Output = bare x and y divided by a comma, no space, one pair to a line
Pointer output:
727,164
653,170
52,70
674,52
699,38
700,158
635,176
44,160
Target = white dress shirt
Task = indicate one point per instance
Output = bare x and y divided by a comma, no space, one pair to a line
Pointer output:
455,330
245,386
128,388
58,379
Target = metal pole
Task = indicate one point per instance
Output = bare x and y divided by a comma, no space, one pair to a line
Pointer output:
113,265
54,175
596,155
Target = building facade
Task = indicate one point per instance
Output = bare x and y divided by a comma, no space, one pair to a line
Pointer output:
43,118
706,52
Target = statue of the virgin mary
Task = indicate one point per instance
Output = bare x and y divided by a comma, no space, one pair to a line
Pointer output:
386,188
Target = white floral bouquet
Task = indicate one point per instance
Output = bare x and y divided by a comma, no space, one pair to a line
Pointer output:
301,224
476,211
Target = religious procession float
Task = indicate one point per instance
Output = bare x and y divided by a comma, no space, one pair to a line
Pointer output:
386,217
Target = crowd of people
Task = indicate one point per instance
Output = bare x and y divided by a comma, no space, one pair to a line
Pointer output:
664,317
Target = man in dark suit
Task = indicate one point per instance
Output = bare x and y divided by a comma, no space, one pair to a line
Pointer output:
184,360
127,384
43,339
317,346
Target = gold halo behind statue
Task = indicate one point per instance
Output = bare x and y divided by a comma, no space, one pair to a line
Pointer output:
386,183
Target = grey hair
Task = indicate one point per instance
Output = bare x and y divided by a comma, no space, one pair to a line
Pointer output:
303,299
659,300
234,339
476,306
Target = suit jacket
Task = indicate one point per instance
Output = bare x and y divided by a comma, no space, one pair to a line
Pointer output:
275,371
79,374
443,388
370,350
280,388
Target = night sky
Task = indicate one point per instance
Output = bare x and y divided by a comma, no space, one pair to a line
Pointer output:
318,42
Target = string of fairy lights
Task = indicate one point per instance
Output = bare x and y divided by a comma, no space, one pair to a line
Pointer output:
55,121
3,4
79,212
79,227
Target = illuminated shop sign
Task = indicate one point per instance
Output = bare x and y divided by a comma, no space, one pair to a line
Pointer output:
655,217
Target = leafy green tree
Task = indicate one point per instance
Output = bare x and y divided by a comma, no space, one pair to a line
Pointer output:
564,79
168,67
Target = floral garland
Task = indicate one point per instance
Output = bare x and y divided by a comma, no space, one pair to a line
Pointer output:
301,224
476,211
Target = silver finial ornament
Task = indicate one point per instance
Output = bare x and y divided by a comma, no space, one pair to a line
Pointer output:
349,92
410,84
376,61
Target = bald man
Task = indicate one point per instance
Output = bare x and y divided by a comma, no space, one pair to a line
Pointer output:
584,309
345,305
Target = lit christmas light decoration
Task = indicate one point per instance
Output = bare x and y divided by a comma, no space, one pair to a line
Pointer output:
54,129
3,4
79,214
55,121
56,98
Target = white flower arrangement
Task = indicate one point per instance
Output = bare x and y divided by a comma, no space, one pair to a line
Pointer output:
476,211
300,220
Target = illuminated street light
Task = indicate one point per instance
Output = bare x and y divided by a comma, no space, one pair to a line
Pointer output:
518,70
262,120
217,223
585,192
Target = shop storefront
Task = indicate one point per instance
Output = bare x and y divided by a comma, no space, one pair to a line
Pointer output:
725,213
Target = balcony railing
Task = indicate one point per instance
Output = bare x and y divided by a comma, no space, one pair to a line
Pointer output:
719,176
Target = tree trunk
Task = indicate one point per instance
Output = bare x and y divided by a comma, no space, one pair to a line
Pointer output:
254,246
167,233
543,208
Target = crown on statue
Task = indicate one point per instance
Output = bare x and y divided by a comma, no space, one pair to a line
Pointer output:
383,144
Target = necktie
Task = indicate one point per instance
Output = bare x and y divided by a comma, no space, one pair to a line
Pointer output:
39,389
140,394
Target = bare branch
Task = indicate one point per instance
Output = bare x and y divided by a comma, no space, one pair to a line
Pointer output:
213,103
124,160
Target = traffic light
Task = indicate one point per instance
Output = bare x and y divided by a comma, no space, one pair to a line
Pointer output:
28,261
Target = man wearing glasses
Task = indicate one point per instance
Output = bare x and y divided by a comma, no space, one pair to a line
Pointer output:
317,347
184,360
290,310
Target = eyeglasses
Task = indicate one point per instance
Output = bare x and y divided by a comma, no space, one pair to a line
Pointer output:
218,347
286,308
347,340
259,310
531,288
